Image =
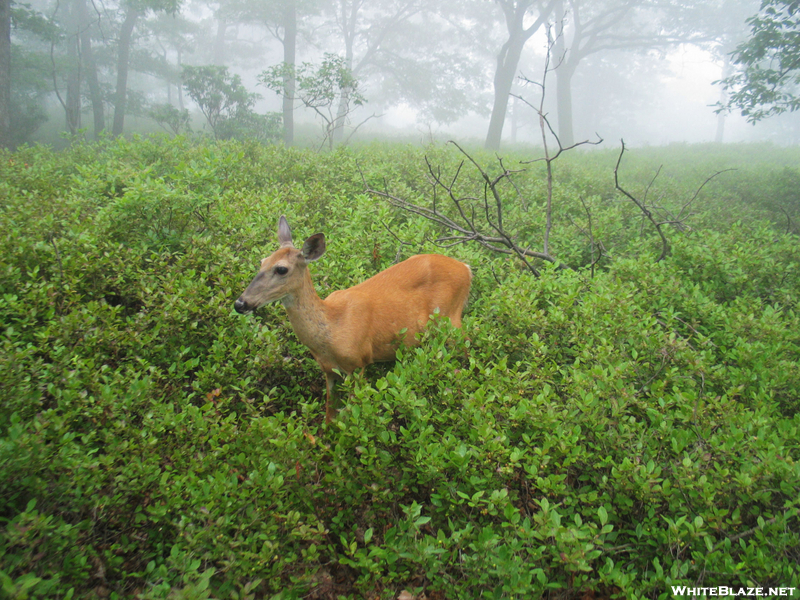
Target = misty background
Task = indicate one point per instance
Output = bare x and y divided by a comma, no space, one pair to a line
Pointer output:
324,72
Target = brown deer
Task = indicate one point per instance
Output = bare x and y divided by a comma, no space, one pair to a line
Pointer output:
365,323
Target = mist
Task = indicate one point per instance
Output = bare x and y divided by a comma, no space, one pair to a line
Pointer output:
332,72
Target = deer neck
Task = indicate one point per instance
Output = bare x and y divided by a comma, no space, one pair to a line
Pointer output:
308,316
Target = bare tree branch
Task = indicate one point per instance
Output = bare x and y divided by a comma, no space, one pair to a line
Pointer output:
665,218
642,207
464,228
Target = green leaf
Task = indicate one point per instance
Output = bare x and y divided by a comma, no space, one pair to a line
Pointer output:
603,515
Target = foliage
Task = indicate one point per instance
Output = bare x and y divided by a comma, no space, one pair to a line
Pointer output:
30,72
769,63
329,89
227,105
579,437
25,18
171,118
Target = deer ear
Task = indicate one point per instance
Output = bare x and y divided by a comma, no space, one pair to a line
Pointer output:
314,247
284,233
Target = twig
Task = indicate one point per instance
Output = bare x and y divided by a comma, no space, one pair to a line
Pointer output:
788,220
641,206
652,181
496,278
394,235
591,237
466,230
755,529
545,126
58,258
665,218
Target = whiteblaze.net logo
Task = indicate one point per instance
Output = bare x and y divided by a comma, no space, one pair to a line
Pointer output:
728,591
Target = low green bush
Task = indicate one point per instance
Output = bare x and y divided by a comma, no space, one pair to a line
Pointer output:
581,436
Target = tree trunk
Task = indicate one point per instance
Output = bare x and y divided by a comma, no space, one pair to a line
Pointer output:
564,73
123,59
180,85
219,43
514,119
719,136
723,100
72,105
5,75
566,62
289,58
344,102
167,79
349,21
507,62
90,69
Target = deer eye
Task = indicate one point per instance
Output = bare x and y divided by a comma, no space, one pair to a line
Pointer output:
281,270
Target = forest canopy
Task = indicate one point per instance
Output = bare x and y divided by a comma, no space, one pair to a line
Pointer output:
121,67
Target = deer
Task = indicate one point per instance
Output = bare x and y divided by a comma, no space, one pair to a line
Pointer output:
363,324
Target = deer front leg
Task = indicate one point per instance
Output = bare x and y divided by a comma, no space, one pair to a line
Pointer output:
330,403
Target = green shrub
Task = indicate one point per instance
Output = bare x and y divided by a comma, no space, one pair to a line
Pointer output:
611,435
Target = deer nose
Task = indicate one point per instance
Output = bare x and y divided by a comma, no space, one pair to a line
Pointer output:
240,306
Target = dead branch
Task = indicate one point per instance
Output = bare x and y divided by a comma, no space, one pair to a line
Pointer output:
463,228
401,242
590,234
545,126
652,181
641,206
665,218
789,224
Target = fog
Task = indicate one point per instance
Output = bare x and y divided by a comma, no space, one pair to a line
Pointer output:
411,70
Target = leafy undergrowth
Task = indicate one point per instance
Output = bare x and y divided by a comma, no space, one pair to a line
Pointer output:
606,436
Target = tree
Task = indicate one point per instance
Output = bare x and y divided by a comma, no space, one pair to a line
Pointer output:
133,10
174,120
5,74
282,18
732,23
584,28
367,32
123,62
290,58
767,79
90,70
170,35
75,65
28,68
330,90
516,13
71,26
428,55
589,27
226,104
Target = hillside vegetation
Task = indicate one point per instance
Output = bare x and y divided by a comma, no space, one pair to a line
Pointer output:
583,436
